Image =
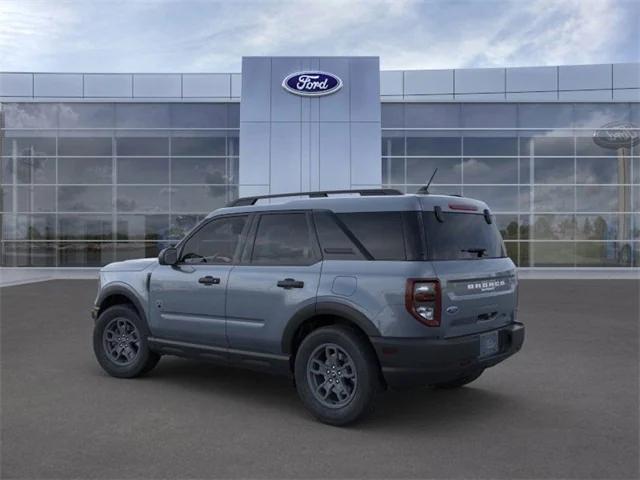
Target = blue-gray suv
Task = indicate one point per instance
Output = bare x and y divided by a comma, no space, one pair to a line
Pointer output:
349,293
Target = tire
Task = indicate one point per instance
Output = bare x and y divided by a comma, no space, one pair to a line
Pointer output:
460,381
337,354
130,358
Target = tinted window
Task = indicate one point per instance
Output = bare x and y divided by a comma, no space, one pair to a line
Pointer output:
381,233
215,243
334,242
461,236
283,239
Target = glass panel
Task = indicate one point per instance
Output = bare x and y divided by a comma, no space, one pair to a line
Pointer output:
525,249
335,244
512,251
508,226
85,254
429,115
525,227
499,199
36,199
602,199
603,170
131,250
433,146
543,146
29,254
233,115
85,199
488,115
6,199
392,115
32,170
604,227
147,146
419,171
598,114
217,241
182,224
635,231
85,227
395,170
142,115
84,170
199,115
86,115
553,199
198,146
490,146
552,254
636,170
393,144
14,145
525,170
143,170
587,147
30,115
199,170
531,115
490,170
198,199
84,146
604,254
553,170
233,144
554,227
142,199
28,227
143,227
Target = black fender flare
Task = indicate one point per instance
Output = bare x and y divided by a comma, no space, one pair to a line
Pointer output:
125,291
336,309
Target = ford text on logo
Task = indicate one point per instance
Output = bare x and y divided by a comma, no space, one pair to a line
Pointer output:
617,135
312,84
486,285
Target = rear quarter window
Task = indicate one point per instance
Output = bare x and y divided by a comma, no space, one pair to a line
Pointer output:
381,233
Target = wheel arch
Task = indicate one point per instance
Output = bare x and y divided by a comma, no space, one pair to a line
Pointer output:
118,295
322,314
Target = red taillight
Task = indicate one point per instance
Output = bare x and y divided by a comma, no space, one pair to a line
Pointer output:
422,299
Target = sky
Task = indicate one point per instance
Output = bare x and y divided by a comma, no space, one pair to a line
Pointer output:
212,36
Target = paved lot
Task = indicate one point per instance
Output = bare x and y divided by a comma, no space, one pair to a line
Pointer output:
565,407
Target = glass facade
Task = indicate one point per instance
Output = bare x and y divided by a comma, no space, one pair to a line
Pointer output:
85,184
560,199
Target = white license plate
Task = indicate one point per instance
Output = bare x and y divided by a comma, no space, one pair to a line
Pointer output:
489,344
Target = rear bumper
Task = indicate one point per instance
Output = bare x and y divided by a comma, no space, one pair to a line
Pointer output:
412,362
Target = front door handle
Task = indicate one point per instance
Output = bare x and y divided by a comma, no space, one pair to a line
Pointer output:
209,280
290,283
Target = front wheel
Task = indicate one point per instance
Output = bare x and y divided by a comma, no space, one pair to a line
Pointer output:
337,376
120,343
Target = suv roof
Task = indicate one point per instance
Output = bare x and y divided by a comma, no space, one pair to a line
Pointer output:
368,202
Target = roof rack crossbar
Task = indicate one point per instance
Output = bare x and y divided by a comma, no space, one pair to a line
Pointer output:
246,201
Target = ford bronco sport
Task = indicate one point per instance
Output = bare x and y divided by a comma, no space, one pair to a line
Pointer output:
347,294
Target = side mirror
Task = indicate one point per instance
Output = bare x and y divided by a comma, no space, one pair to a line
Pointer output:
168,256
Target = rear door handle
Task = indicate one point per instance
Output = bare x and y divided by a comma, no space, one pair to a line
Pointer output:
290,283
209,280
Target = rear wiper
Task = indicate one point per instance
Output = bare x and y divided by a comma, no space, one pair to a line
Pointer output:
479,251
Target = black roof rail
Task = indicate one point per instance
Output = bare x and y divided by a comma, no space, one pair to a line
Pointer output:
246,201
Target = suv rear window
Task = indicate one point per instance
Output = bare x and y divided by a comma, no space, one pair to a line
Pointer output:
461,236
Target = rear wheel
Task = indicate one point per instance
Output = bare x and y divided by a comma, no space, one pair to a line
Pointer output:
460,381
120,343
336,375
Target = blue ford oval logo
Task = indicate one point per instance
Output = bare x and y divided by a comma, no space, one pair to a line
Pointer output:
312,84
452,310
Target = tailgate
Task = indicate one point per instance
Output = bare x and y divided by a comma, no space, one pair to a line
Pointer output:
477,295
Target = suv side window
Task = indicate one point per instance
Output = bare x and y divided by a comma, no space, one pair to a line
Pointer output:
283,239
335,243
381,233
216,242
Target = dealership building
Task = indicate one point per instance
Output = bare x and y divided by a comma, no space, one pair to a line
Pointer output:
99,167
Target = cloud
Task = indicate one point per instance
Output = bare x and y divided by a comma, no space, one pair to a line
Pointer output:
200,35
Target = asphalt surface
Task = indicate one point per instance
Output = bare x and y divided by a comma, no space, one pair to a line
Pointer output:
564,407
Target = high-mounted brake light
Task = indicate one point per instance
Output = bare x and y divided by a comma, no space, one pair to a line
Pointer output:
464,207
422,300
